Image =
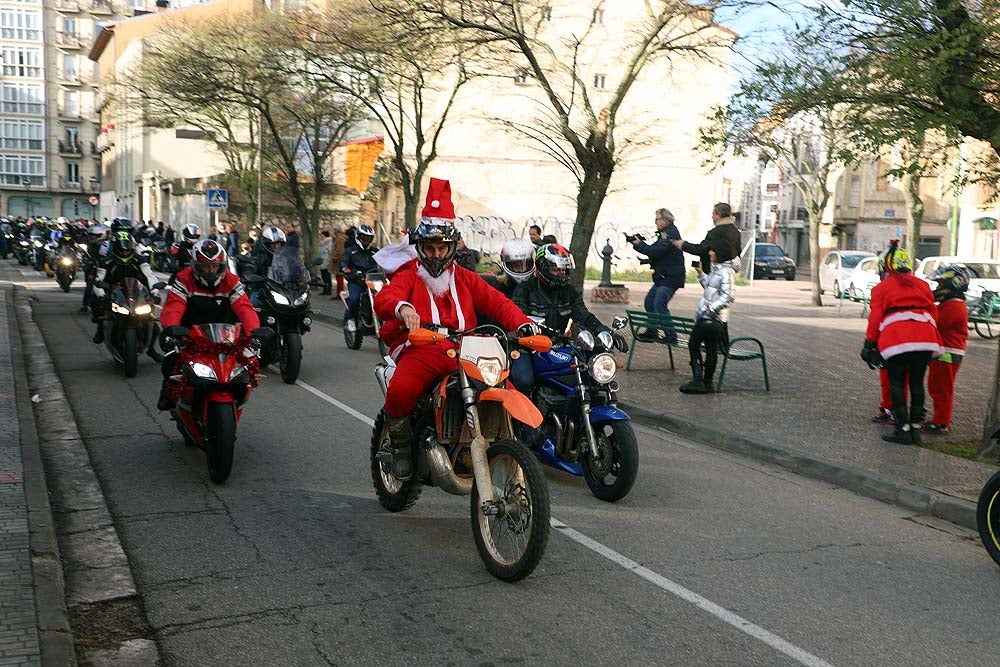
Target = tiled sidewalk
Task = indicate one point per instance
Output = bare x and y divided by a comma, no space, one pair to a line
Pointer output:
18,626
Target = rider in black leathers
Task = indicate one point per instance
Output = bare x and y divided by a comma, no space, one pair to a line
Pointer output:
358,260
119,260
181,250
548,298
97,235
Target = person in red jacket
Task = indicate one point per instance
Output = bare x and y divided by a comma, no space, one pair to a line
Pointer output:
902,333
953,324
431,289
205,292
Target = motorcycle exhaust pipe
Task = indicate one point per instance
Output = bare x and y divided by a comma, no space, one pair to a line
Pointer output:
442,473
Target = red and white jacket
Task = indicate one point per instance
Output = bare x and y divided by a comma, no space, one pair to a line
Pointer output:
903,317
189,303
953,323
455,309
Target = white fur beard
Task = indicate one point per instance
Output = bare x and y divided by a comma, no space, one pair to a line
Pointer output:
438,286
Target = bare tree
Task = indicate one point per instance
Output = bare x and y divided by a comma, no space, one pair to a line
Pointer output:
374,51
259,75
580,129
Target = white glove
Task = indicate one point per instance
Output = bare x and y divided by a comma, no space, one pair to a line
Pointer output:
98,292
529,329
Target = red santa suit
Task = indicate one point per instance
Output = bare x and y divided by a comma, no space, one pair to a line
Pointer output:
460,293
953,324
903,316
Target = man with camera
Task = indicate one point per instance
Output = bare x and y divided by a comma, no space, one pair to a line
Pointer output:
667,263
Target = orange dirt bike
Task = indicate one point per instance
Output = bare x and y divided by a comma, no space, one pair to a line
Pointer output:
464,443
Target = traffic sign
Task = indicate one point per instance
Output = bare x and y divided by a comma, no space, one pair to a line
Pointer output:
218,198
93,200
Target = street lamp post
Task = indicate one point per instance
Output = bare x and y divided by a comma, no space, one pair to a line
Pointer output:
26,182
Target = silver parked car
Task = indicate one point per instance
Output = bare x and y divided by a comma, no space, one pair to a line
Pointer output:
836,269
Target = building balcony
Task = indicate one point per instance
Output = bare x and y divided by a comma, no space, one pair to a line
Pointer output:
104,143
66,6
101,7
69,78
68,40
70,148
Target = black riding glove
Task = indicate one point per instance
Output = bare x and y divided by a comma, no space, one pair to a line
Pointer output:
620,343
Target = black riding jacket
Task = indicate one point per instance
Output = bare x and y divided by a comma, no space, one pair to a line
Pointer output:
555,304
358,261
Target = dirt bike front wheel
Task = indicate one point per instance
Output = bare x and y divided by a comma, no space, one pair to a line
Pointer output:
512,535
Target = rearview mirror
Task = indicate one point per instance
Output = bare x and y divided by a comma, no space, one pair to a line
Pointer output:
159,285
619,323
253,279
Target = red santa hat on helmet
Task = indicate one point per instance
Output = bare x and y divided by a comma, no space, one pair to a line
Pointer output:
439,203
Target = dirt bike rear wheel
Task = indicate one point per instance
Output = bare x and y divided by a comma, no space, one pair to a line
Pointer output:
220,441
512,542
352,338
988,517
393,494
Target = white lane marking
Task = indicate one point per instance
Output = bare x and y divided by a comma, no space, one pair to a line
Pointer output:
801,656
774,641
334,402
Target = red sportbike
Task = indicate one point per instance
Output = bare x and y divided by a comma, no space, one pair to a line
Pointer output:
217,369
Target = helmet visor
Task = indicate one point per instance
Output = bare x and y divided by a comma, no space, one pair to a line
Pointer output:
208,272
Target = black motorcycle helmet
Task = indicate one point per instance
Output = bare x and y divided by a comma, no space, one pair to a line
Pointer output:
123,247
554,264
952,282
121,225
435,230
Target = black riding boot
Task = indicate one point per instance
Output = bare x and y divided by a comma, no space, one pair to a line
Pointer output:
99,334
709,378
902,433
697,383
400,437
151,350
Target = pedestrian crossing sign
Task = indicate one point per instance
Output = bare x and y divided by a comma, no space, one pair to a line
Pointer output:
218,198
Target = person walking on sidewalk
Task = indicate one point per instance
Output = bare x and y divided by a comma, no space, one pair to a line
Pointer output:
325,253
902,331
667,263
710,318
953,324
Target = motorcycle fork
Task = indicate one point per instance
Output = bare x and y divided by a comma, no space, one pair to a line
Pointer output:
585,410
477,448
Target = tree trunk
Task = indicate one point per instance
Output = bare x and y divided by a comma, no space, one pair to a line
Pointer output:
914,211
589,199
814,220
991,428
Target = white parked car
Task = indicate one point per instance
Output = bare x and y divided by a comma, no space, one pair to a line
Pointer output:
862,279
837,267
985,272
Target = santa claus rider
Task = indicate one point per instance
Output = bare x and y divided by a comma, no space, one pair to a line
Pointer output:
432,289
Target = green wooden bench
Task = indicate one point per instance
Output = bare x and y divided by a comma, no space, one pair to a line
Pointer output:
743,348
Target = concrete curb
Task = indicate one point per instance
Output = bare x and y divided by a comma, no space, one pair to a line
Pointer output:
863,482
93,562
55,637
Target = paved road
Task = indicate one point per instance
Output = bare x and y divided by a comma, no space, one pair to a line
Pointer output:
294,562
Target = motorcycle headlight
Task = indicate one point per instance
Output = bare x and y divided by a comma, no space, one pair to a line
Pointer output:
25,243
279,298
121,310
38,244
203,371
144,309
603,368
238,371
586,340
302,299
490,369
66,261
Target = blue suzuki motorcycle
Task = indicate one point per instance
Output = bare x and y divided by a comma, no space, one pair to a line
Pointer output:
584,432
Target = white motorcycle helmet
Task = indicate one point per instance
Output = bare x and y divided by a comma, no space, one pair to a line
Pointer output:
517,259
